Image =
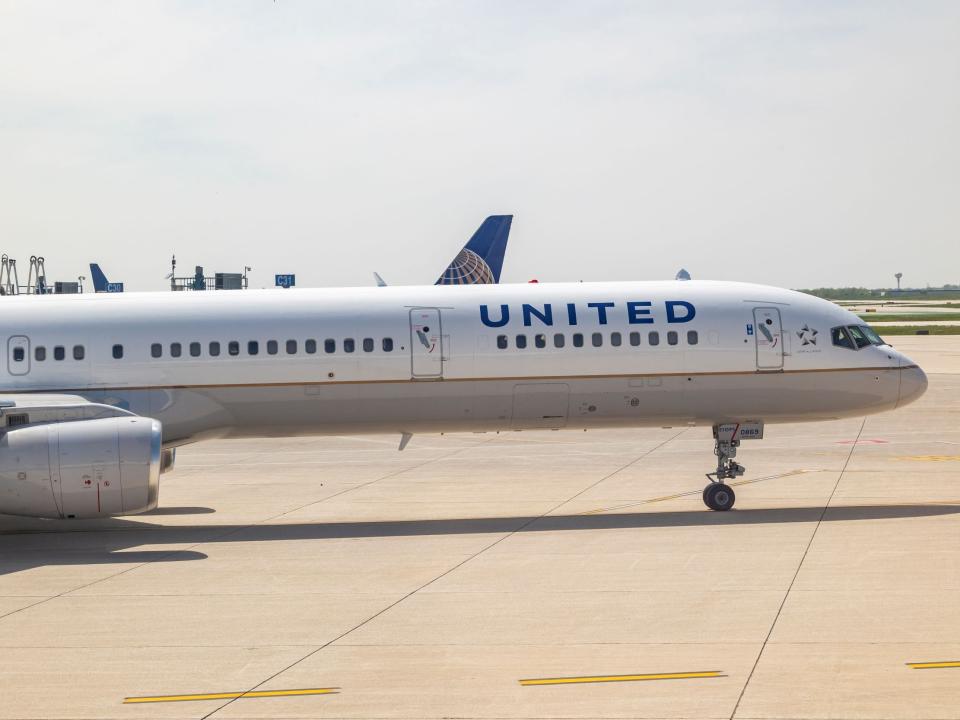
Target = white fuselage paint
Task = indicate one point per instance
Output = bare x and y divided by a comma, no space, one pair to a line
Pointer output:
452,376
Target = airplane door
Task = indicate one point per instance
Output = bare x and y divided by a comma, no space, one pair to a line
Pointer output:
426,344
769,338
18,355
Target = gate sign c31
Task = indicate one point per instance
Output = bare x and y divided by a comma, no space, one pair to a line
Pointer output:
285,281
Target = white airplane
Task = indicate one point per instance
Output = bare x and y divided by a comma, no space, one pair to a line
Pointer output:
99,390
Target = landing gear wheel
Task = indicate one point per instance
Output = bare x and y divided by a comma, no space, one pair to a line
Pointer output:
719,497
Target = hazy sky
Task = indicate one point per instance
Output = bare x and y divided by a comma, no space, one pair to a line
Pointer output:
800,144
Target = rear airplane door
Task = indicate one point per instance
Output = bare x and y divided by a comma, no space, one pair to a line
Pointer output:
769,338
426,344
18,355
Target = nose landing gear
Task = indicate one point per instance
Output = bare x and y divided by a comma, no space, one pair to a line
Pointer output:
718,495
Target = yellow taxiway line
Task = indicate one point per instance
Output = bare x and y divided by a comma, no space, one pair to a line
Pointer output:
621,678
230,695
933,665
930,458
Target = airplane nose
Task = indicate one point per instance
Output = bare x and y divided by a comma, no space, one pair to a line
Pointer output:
913,384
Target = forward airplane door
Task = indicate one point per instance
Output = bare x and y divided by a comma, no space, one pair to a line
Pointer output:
769,338
426,344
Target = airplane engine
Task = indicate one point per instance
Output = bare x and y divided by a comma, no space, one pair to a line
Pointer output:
81,469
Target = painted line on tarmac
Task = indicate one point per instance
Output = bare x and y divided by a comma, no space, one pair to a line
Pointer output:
231,695
622,678
930,458
664,498
934,665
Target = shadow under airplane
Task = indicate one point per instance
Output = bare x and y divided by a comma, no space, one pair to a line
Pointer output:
119,535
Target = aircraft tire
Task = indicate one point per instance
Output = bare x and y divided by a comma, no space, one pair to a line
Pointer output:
719,497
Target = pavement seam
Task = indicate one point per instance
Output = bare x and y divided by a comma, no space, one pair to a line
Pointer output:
796,574
446,572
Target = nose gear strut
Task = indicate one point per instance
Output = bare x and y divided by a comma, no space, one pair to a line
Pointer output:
718,495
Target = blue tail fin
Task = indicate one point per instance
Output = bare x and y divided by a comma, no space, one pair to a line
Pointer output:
99,279
481,259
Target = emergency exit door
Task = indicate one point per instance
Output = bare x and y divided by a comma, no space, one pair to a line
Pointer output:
426,344
769,338
18,355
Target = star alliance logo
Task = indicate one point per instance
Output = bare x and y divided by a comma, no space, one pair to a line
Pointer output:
807,335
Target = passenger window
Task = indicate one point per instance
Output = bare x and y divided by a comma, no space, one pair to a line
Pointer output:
118,352
214,349
40,353
59,352
841,338
388,345
615,339
233,347
692,337
540,340
672,337
195,349
559,340
272,347
653,338
578,339
310,347
597,339
19,354
78,352
368,344
175,350
156,350
502,342
635,339
349,345
521,342
253,347
291,347
329,346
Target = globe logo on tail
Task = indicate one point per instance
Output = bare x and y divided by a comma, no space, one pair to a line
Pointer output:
467,268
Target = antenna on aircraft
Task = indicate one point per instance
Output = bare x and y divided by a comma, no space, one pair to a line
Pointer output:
682,274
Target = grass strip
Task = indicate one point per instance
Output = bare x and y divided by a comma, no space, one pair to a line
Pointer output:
912,330
909,317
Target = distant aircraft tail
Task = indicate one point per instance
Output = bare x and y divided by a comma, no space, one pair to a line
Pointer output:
99,279
481,259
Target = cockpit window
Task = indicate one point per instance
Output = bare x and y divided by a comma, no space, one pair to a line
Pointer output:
841,338
855,337
872,335
858,336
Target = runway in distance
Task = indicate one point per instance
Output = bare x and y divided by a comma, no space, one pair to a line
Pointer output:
97,391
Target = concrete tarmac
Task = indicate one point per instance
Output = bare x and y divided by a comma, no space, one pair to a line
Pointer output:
521,575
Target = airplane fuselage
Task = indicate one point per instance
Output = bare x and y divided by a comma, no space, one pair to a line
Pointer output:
446,359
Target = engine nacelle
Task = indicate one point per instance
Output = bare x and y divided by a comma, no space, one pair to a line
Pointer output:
81,469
